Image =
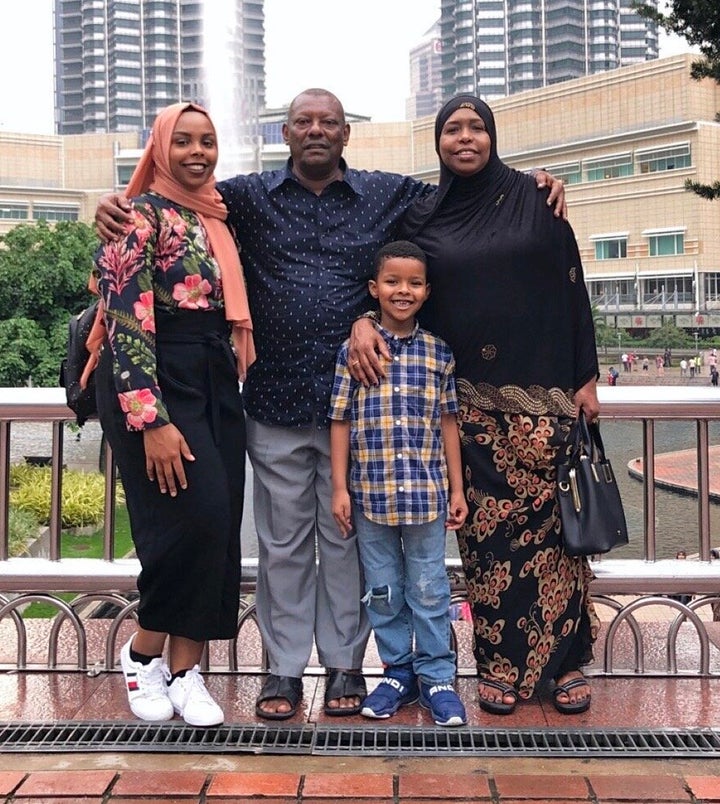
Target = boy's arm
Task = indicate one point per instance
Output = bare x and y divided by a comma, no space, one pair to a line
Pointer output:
339,459
458,509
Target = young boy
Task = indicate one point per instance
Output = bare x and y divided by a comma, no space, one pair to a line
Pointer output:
400,441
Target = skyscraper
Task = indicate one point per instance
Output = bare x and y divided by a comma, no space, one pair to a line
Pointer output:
118,62
425,76
494,48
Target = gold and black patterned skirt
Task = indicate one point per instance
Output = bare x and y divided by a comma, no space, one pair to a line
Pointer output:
532,614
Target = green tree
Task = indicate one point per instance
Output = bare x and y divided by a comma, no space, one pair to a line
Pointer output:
22,345
698,22
43,274
44,270
668,335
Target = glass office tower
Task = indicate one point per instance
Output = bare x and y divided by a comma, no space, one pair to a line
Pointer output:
494,48
118,62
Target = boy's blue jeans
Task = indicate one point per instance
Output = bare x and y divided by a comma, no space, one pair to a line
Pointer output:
407,593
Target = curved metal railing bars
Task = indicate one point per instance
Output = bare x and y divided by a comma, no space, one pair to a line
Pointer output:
129,610
248,613
77,605
25,580
635,631
628,609
12,605
693,605
638,644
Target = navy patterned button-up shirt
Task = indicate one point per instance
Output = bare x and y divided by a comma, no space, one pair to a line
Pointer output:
307,260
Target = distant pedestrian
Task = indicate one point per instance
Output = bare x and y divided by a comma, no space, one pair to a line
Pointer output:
691,366
660,365
625,361
683,367
612,375
714,375
646,364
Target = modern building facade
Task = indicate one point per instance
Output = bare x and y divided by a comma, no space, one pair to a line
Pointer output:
625,142
425,76
118,62
495,48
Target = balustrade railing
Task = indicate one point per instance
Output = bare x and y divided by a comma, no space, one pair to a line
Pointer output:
686,592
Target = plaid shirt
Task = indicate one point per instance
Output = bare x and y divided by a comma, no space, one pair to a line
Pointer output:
398,474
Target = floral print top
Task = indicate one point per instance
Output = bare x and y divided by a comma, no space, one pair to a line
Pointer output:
162,263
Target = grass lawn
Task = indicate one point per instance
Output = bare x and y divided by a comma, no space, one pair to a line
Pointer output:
90,546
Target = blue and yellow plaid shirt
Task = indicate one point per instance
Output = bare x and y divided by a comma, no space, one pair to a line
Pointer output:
398,474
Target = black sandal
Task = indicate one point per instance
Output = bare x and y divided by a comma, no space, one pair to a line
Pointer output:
498,707
568,707
286,687
344,684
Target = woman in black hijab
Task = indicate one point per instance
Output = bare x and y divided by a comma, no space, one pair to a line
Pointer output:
509,298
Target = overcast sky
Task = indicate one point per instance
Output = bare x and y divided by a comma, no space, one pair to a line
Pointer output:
356,48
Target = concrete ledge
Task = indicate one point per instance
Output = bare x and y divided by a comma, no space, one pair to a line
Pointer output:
667,576
612,576
85,575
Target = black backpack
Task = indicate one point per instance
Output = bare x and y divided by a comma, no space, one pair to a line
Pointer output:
81,402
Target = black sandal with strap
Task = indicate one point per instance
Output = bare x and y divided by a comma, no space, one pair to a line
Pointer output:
344,684
571,707
498,707
286,688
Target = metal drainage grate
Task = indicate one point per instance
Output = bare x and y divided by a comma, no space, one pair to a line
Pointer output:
61,737
153,737
520,742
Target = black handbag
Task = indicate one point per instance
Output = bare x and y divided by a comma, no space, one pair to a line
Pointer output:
591,511
80,400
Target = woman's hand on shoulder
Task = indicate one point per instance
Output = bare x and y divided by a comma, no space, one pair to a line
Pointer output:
165,449
556,197
111,216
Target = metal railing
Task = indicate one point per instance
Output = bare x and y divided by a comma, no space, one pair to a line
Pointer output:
622,586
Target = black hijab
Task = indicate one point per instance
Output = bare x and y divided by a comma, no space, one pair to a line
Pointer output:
463,194
507,289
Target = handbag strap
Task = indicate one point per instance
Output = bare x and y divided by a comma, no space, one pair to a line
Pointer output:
589,438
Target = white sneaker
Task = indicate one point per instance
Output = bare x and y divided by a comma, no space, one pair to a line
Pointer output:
146,687
193,702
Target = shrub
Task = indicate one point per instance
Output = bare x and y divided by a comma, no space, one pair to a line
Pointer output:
23,527
83,494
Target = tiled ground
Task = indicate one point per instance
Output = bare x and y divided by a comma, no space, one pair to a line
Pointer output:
111,778
206,778
355,781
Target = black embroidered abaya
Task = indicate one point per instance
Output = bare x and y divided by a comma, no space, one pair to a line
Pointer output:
508,296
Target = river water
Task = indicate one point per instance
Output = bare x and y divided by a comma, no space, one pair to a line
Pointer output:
676,514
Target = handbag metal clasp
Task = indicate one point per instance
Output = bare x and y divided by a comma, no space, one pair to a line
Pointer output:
574,490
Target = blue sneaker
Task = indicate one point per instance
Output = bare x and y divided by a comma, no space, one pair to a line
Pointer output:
444,705
397,688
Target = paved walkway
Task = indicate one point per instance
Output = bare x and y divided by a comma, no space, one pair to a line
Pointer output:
678,471
273,780
623,704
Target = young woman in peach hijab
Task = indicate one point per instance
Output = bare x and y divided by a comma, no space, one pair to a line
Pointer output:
173,300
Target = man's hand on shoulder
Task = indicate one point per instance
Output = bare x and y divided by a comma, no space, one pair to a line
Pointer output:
556,197
111,216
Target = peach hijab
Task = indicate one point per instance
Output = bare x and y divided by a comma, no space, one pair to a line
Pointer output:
153,173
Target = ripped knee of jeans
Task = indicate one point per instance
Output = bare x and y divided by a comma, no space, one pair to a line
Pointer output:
378,598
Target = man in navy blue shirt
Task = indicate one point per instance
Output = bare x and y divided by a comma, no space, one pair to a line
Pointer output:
307,235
